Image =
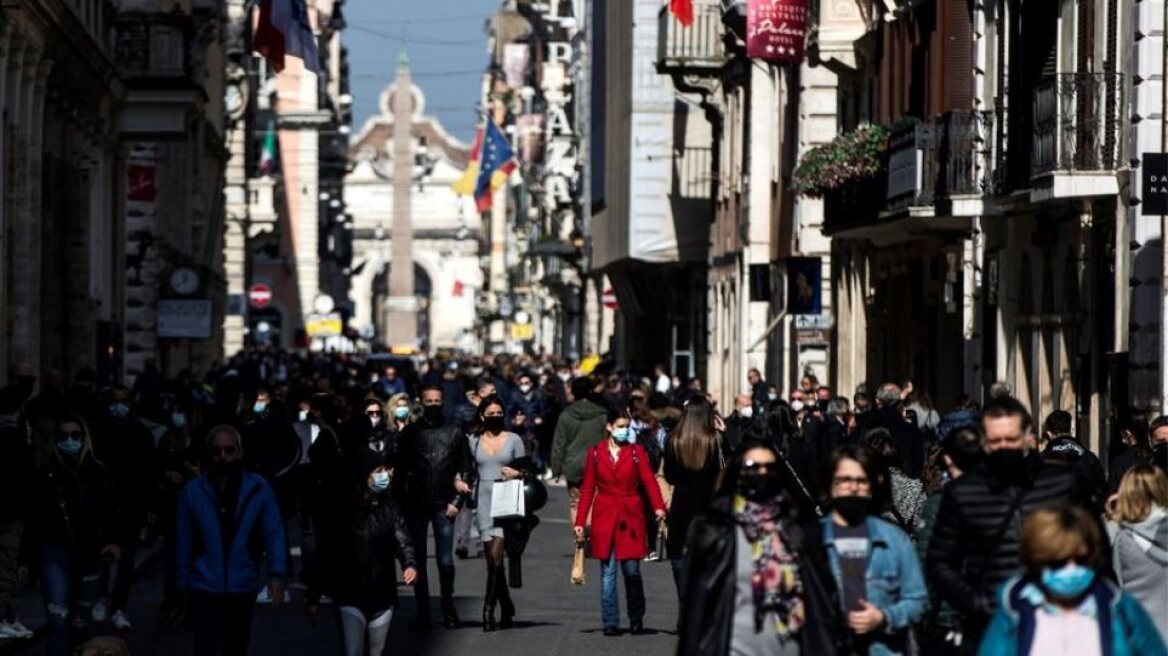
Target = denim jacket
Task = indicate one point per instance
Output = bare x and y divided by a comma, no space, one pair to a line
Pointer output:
894,581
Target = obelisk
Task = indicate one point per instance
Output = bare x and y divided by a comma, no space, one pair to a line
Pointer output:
403,306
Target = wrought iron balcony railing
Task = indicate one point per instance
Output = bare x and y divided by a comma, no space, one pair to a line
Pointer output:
1076,122
692,48
964,153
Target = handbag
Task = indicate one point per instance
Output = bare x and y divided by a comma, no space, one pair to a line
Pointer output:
578,565
507,500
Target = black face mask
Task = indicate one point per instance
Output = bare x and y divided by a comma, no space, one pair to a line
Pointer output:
493,424
853,509
760,486
1007,464
1160,455
227,469
433,414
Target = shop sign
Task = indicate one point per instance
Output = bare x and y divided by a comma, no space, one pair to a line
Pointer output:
1154,175
183,318
522,332
776,30
324,325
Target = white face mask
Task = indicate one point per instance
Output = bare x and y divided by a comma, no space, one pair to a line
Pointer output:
303,415
525,388
796,405
747,412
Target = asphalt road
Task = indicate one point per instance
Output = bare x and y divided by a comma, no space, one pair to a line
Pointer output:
554,616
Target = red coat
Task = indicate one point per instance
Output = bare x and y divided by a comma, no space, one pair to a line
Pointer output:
612,490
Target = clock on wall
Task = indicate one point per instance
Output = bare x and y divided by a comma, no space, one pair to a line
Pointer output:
184,281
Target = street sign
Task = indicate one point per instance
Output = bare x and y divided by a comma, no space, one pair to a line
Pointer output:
183,318
1154,176
609,299
522,332
259,295
813,321
323,325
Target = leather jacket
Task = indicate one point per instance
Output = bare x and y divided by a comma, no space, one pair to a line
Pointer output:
429,458
364,574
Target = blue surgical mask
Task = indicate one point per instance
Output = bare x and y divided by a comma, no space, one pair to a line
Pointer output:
1069,581
178,420
259,407
70,446
303,415
380,482
772,397
119,410
401,413
623,435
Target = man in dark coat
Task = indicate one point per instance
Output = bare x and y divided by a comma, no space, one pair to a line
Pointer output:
1061,446
737,424
975,545
432,472
907,437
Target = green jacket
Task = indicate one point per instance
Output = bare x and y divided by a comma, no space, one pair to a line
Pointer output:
580,427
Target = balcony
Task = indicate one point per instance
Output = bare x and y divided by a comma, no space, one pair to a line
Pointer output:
964,164
911,165
693,50
155,56
1076,140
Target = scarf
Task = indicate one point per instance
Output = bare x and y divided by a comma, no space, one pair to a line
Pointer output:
775,579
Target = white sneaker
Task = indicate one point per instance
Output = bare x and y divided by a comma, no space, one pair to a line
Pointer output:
122,621
264,597
100,611
14,630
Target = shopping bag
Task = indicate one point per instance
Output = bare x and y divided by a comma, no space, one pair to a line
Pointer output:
507,499
578,565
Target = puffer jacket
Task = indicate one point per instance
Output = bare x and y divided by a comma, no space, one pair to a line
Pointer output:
709,587
967,561
579,428
363,573
1139,553
429,458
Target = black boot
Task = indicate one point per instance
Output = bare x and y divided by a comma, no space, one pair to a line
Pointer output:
489,600
515,573
506,606
446,583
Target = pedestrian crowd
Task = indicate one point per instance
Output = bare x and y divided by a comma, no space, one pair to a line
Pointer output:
797,523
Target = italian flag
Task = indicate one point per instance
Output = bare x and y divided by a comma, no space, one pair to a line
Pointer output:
268,152
282,28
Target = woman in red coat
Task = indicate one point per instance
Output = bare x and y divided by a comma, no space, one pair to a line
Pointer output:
616,474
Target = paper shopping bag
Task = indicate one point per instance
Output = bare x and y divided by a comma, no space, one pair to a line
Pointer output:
578,565
507,500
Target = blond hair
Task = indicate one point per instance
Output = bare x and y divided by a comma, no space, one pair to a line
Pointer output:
1141,488
1052,535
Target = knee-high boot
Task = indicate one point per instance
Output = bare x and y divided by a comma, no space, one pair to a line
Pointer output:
449,614
506,606
489,600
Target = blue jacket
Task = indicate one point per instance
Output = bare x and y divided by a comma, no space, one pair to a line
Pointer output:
894,581
204,562
1124,626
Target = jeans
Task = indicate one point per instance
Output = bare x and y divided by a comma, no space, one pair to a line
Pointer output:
420,523
9,556
64,587
634,591
222,622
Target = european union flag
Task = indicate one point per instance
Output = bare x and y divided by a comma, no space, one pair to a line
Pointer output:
498,161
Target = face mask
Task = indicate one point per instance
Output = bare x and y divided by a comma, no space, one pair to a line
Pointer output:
1160,455
525,388
259,407
1007,464
401,413
796,405
565,377
178,420
69,446
493,424
433,414
772,397
375,421
759,486
119,411
746,413
1067,582
303,415
852,509
231,468
621,435
380,482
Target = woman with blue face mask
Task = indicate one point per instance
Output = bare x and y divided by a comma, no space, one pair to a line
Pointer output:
73,523
616,474
1062,603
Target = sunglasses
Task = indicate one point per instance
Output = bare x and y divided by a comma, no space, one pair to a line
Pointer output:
373,413
71,435
224,450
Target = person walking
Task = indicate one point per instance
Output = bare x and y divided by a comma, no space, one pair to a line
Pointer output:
16,468
693,460
580,427
73,527
906,436
906,495
1059,445
432,469
975,543
757,583
1061,603
362,576
222,515
495,450
616,473
882,588
1138,530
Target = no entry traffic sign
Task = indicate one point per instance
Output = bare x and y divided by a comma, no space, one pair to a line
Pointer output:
259,295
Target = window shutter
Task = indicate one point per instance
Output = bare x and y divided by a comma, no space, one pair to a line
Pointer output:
957,21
